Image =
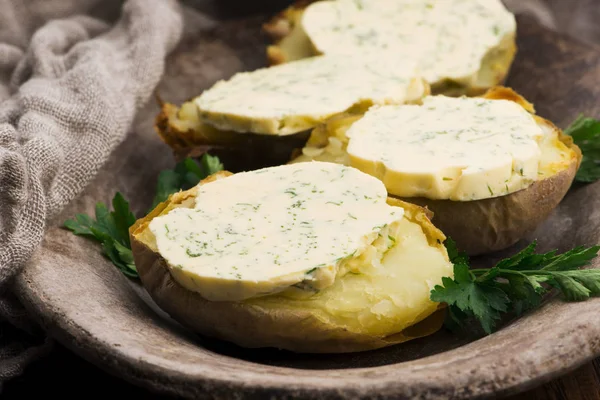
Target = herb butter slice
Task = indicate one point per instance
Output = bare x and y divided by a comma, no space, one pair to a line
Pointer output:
450,39
294,97
262,232
448,148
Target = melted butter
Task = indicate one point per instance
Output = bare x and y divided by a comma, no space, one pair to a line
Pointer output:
448,38
458,149
260,232
294,97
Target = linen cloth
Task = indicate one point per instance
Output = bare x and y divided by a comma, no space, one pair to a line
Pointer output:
71,80
70,84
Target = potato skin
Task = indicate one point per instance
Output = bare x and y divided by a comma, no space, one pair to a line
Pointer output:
240,152
251,325
497,223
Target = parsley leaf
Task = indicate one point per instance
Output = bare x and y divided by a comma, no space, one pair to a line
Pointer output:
481,300
168,183
186,175
111,228
514,284
586,134
456,256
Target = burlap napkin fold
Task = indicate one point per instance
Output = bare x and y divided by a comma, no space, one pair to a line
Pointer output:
69,89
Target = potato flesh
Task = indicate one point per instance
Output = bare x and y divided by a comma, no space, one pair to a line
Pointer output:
293,47
556,156
383,298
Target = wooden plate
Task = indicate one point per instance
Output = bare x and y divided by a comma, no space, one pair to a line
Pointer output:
83,301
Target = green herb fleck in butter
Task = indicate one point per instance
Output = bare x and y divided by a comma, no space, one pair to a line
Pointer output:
294,97
448,148
261,232
449,38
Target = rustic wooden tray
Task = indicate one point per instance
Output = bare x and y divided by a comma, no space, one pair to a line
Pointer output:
86,304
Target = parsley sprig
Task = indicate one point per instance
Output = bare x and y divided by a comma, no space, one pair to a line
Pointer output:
111,228
186,175
514,285
585,132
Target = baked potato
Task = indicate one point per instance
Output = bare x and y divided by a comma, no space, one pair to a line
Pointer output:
376,305
270,111
181,129
492,219
308,28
